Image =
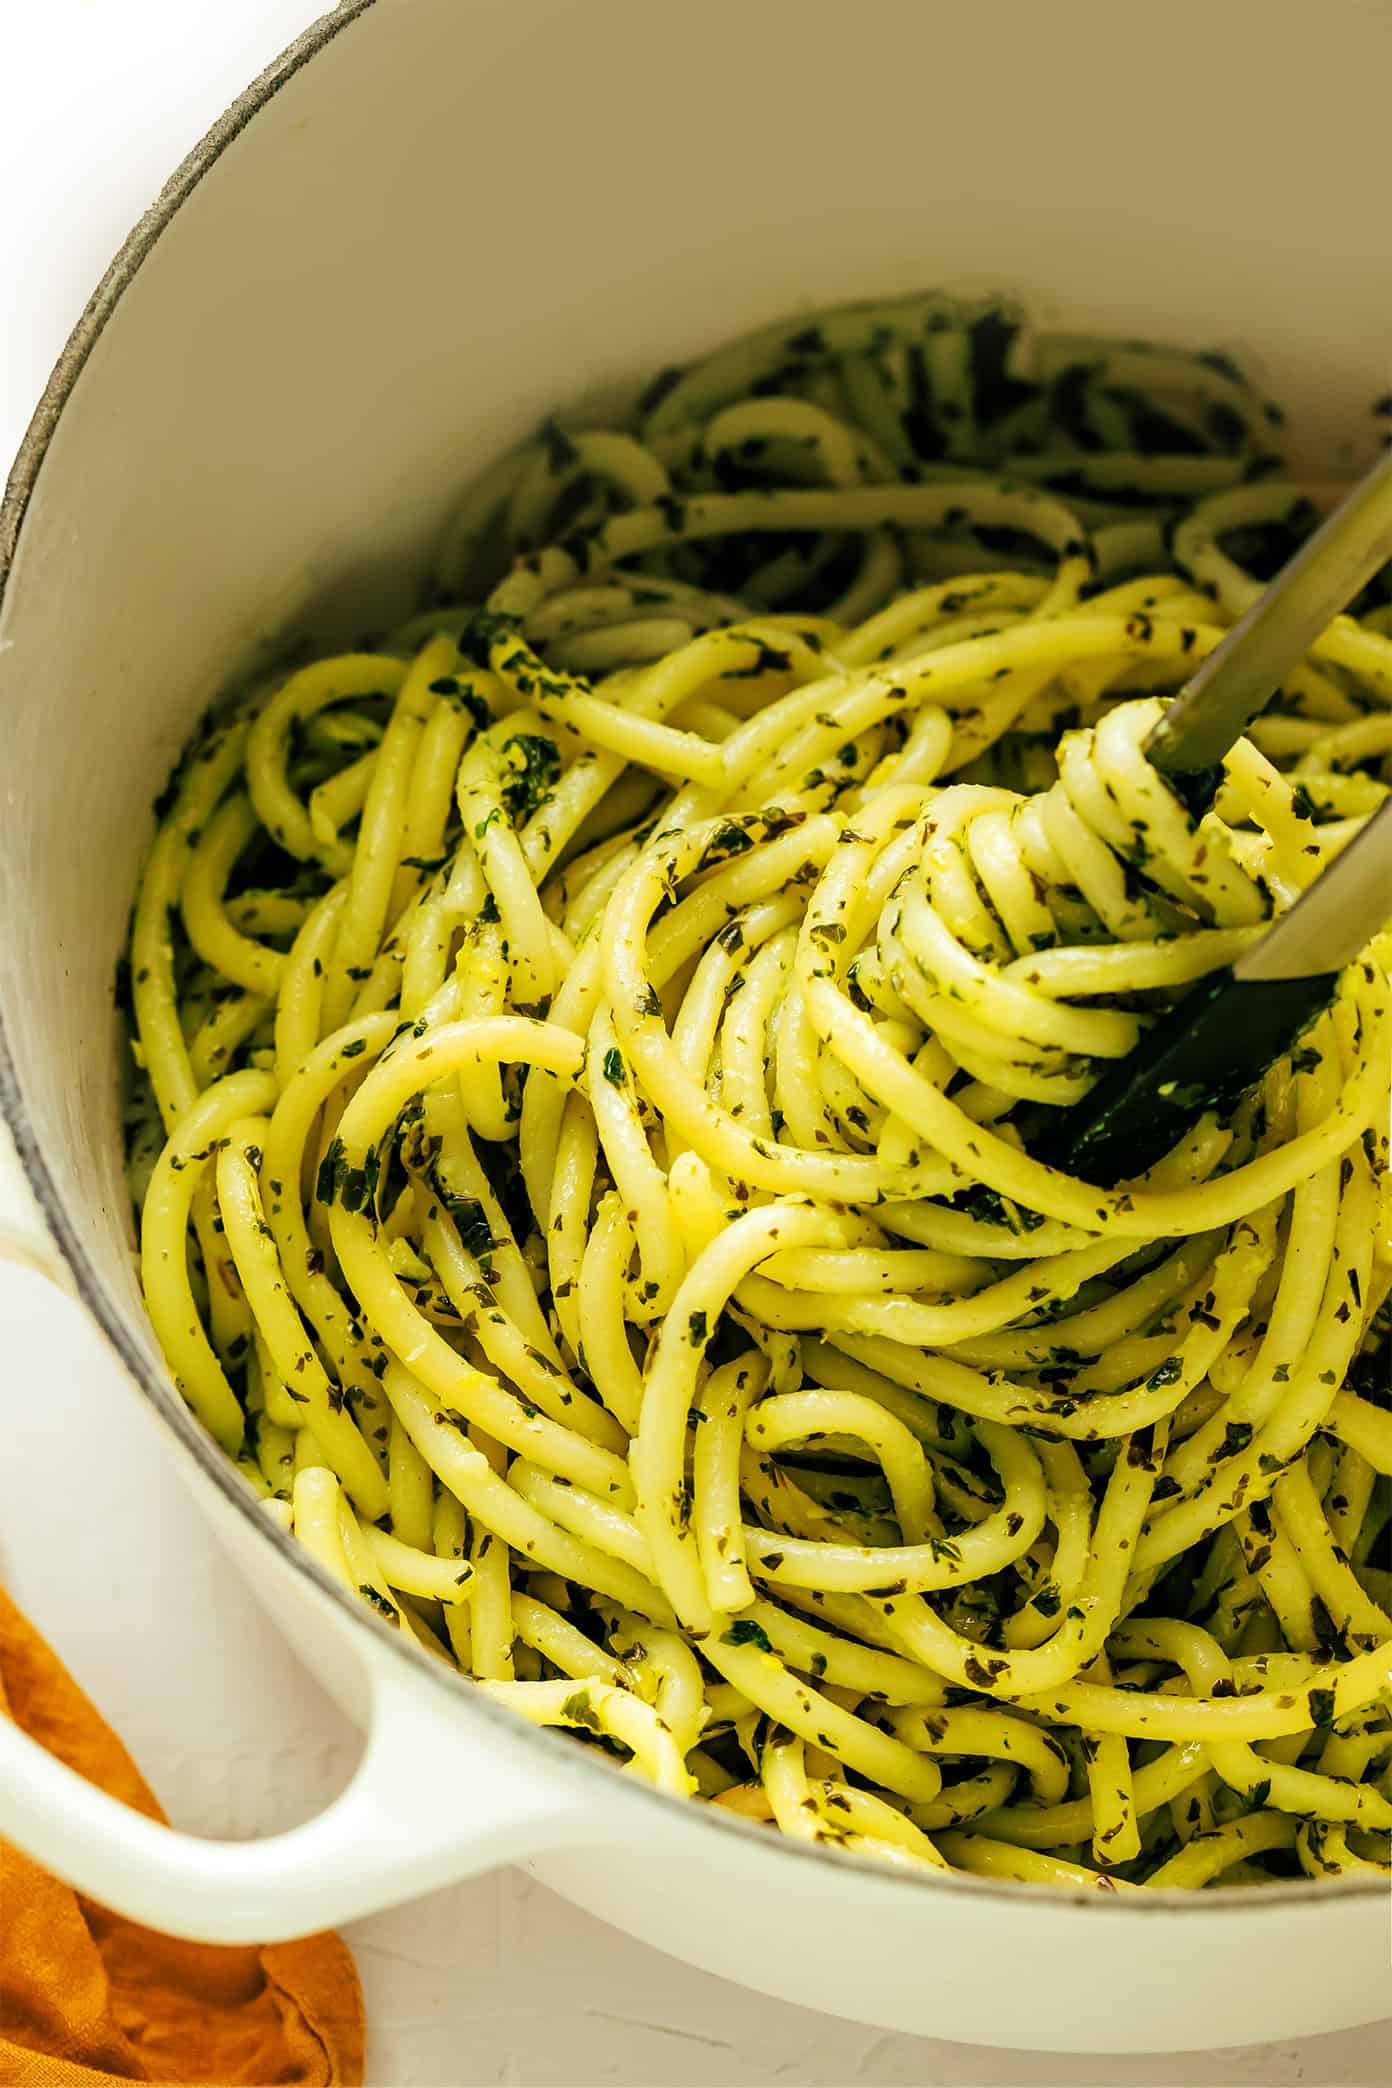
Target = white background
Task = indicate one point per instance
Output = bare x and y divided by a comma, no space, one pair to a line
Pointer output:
497,1981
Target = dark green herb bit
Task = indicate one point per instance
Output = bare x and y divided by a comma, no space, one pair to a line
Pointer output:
745,1632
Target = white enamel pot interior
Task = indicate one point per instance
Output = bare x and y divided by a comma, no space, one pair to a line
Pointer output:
424,227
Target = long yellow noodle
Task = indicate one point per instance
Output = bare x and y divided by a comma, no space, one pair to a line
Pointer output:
584,1050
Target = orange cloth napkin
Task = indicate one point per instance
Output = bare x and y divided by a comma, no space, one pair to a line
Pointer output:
87,1997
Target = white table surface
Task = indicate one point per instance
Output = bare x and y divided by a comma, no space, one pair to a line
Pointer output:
493,1982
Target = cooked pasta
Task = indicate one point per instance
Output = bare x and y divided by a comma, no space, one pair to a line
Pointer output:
584,1049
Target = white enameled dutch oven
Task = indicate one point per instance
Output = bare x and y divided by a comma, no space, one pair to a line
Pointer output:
428,223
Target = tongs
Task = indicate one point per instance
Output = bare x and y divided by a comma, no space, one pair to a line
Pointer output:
1218,1041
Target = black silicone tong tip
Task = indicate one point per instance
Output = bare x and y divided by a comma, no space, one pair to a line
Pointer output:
1206,1053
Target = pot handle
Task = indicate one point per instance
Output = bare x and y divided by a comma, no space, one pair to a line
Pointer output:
430,1803
434,1799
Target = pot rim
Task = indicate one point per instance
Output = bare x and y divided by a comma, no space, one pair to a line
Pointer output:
593,1774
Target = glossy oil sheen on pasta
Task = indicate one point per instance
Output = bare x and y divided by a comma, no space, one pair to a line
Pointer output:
578,1047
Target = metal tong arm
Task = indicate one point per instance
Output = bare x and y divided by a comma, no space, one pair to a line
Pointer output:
1336,917
1239,678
